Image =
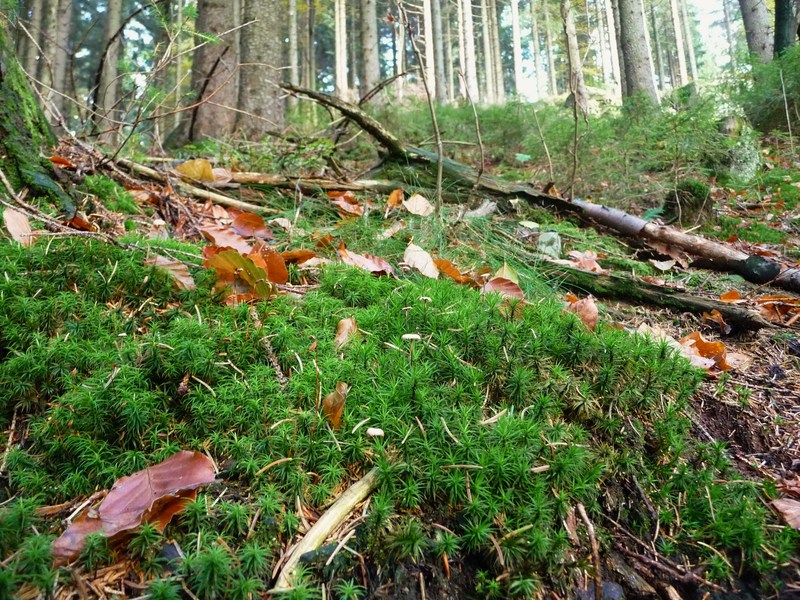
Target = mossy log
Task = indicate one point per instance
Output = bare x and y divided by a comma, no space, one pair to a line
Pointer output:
24,130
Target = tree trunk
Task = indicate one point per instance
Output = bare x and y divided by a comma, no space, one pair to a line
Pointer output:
679,45
310,56
62,58
260,104
497,57
34,29
24,131
536,51
440,73
611,29
636,51
370,50
726,21
785,26
576,84
756,29
294,57
452,85
106,93
551,65
623,85
47,42
659,55
489,90
470,64
340,49
516,42
689,37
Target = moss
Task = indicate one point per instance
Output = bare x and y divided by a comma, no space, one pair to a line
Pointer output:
113,195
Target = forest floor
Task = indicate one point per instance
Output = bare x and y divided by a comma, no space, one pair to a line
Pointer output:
731,420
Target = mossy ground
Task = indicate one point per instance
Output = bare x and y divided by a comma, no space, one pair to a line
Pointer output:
111,369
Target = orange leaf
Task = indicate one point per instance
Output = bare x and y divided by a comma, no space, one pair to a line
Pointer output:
80,224
224,237
585,308
348,196
345,330
154,495
239,272
177,270
395,199
732,296
250,225
348,207
271,261
323,241
695,345
60,161
18,226
504,287
333,404
368,262
449,269
717,318
297,256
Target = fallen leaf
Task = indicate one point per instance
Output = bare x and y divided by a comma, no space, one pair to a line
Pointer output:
313,263
348,196
177,270
681,257
395,200
297,256
696,347
585,308
19,228
333,404
395,227
587,261
60,161
224,237
271,261
345,330
348,207
716,317
251,225
221,175
449,269
152,495
80,224
323,241
506,272
419,205
788,509
504,287
417,258
733,296
663,265
239,273
368,262
739,361
282,222
197,168
375,432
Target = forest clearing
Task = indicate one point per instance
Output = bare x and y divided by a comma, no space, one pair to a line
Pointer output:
491,299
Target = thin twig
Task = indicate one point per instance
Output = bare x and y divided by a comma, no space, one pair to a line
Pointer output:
477,130
598,579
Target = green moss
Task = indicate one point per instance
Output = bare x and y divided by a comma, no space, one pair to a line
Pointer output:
580,418
114,196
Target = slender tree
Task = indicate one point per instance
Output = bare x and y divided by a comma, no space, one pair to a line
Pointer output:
636,51
551,65
340,49
535,49
516,42
440,72
658,55
680,48
106,92
489,88
497,57
469,63
689,37
611,31
370,50
785,26
577,86
294,57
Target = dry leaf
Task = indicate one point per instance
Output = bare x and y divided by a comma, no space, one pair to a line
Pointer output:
790,511
333,404
417,258
587,261
345,330
585,308
178,271
717,318
323,241
251,225
696,347
419,205
663,265
19,228
297,256
239,273
387,233
80,224
224,237
152,495
347,196
506,272
271,261
395,199
504,287
198,168
368,262
221,175
60,161
733,296
348,207
282,222
449,269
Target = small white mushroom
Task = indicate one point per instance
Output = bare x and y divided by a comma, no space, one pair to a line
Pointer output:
375,432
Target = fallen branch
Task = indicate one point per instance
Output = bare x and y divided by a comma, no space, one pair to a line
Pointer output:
326,525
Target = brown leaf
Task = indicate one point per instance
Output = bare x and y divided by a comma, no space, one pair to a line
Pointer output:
345,330
733,296
271,261
585,308
587,261
788,509
297,256
19,228
696,347
197,168
60,161
417,258
449,269
333,404
389,232
224,237
178,271
323,240
221,175
504,287
347,196
80,224
419,205
716,317
348,207
152,495
238,272
395,199
368,262
251,225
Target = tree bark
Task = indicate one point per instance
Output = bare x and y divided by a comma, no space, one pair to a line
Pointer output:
612,29
497,57
536,50
689,37
470,68
106,94
785,26
636,51
294,57
516,42
340,48
440,73
551,65
370,50
32,43
576,84
260,104
756,29
659,55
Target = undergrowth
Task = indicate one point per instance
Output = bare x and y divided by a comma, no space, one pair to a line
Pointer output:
113,370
